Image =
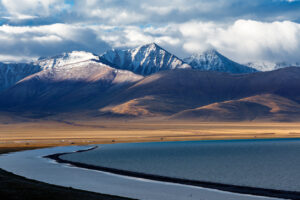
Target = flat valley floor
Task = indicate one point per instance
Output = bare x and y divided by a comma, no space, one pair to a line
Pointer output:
53,133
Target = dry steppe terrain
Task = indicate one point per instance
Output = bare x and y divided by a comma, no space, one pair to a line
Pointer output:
52,133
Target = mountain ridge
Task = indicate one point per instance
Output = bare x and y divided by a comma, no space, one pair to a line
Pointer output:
254,108
66,58
11,73
212,60
144,60
270,66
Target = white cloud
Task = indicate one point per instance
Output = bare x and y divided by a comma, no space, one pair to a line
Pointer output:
243,40
12,59
137,12
19,17
41,7
27,42
158,12
30,9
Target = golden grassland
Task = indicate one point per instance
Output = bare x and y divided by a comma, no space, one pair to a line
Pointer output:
51,133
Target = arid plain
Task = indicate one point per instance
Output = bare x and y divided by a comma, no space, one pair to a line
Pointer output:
52,133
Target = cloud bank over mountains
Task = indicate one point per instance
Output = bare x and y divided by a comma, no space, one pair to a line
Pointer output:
258,30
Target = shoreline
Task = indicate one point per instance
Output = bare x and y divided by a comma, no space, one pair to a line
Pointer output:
204,184
15,187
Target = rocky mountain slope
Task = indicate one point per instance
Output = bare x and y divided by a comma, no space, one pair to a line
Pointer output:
13,72
145,60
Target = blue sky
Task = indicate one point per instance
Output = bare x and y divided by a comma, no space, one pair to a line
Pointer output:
253,30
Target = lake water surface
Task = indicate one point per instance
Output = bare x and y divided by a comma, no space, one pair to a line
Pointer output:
273,164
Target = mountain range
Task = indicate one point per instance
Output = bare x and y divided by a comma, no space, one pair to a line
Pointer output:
149,82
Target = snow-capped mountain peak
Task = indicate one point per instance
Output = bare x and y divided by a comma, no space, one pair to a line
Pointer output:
208,55
145,60
150,46
66,59
212,60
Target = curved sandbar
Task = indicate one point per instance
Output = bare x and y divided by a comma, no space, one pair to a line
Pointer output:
31,164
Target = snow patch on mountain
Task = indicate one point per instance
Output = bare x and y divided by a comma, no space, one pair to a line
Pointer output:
269,66
85,71
66,59
212,60
81,65
145,60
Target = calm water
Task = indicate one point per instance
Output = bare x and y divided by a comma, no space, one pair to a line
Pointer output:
259,163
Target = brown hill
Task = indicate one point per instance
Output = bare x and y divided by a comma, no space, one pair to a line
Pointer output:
179,90
100,91
266,107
